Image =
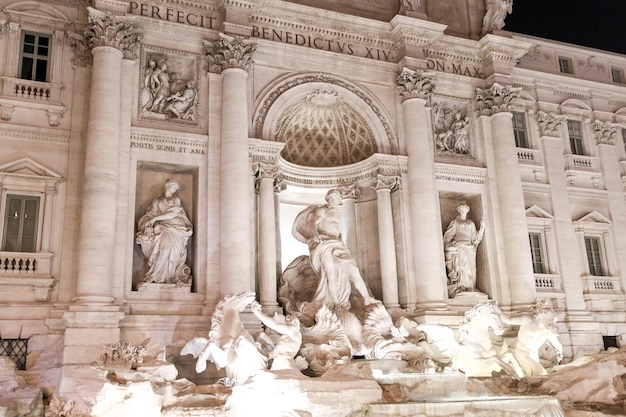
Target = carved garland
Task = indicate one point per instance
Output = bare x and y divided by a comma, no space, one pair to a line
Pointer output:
324,78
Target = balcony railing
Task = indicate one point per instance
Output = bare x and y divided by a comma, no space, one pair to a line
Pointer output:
28,269
548,283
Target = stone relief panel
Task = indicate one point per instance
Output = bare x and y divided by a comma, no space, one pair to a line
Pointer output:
452,129
168,87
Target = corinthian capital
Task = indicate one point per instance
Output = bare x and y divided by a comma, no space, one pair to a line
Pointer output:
604,132
495,99
82,54
549,123
229,52
415,84
103,29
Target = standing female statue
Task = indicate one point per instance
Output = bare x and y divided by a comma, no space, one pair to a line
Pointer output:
460,242
163,233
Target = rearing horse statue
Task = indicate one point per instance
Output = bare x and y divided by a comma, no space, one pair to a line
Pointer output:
472,352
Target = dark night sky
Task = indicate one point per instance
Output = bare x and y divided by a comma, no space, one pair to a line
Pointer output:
599,24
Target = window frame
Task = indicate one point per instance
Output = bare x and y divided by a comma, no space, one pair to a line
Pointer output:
569,63
544,268
20,236
617,75
35,56
580,138
540,222
520,116
596,257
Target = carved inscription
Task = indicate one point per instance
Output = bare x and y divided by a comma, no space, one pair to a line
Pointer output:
454,68
171,15
311,41
167,148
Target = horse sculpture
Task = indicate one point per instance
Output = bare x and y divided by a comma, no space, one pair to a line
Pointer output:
229,345
473,352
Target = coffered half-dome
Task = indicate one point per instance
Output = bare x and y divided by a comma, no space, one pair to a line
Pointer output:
322,130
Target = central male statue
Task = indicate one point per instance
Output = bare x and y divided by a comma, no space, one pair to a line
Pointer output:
319,226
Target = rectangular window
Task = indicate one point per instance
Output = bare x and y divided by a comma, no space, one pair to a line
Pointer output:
565,65
594,256
16,350
34,57
20,224
536,252
519,129
575,131
618,75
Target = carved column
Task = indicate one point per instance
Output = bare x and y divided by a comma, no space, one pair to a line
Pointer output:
349,193
429,272
387,241
494,103
109,38
232,58
265,176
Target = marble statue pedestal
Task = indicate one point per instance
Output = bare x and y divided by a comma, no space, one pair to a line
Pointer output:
158,288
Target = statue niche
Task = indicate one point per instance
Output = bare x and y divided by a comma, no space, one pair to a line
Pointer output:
163,233
461,240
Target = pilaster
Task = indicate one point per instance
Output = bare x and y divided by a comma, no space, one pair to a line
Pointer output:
388,262
265,176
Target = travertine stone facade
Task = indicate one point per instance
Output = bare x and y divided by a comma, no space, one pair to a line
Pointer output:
258,108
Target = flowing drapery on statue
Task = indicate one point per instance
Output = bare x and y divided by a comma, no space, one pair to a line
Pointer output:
319,227
460,242
163,233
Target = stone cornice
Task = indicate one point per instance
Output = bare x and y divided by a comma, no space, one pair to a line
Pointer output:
264,151
459,173
454,49
339,28
502,49
23,132
415,31
168,138
367,170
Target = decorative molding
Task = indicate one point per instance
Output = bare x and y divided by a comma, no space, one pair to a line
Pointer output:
28,133
265,151
549,123
495,99
104,29
159,140
591,64
329,79
539,55
415,84
458,173
336,177
229,52
390,182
